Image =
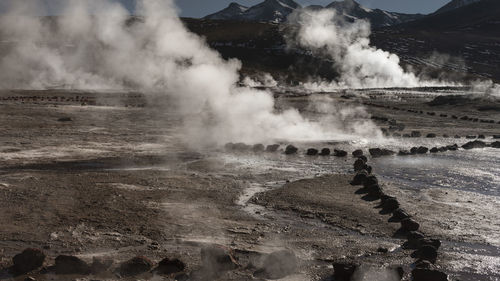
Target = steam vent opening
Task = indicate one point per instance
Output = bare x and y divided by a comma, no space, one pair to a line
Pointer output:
273,140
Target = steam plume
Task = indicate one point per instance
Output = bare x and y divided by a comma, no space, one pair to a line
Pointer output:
91,47
348,46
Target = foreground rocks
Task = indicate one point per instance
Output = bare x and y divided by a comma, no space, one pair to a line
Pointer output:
135,266
30,259
71,265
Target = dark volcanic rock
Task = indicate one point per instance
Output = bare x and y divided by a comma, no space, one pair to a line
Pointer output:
100,265
474,144
409,224
343,271
241,146
169,266
434,150
362,157
290,149
277,265
399,214
28,260
415,134
375,191
135,266
312,152
390,204
404,153
495,144
71,265
432,135
426,252
339,153
65,119
359,178
422,150
258,147
325,152
370,180
436,243
359,164
452,147
357,153
218,258
378,152
272,147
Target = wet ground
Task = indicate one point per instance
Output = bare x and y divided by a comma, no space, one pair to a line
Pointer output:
116,181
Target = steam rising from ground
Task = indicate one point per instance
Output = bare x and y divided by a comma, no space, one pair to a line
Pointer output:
348,46
91,47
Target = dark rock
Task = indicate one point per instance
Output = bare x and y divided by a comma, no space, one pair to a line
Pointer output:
404,153
65,119
272,148
452,147
325,152
495,144
443,149
135,266
409,224
474,144
406,136
359,165
422,150
431,135
277,265
218,258
382,250
241,146
434,150
375,191
415,134
390,204
378,152
436,243
426,252
470,137
445,136
71,265
290,149
359,178
28,260
357,153
496,136
100,265
481,137
362,157
457,136
312,152
339,153
169,266
343,271
399,214
258,147
370,180
423,264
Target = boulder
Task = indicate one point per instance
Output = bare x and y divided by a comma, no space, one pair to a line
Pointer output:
135,266
423,264
357,153
452,147
378,152
474,144
169,266
404,153
481,137
359,164
325,152
390,204
399,214
71,265
241,146
470,137
370,180
457,136
443,149
362,157
312,152
436,243
28,260
415,134
406,136
375,191
217,258
434,150
339,153
272,148
343,271
290,149
426,252
277,265
495,144
258,147
414,238
431,135
423,274
359,178
65,119
422,150
100,265
409,224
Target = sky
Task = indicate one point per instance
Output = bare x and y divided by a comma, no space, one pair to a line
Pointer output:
201,8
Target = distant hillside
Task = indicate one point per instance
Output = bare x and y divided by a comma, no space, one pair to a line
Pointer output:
277,11
454,4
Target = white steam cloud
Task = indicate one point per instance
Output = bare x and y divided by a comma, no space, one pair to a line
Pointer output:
348,46
95,45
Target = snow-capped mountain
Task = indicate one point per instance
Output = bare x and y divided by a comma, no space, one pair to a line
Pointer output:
233,12
267,11
278,11
352,10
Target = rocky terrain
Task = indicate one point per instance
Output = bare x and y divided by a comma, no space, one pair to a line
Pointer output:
100,187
